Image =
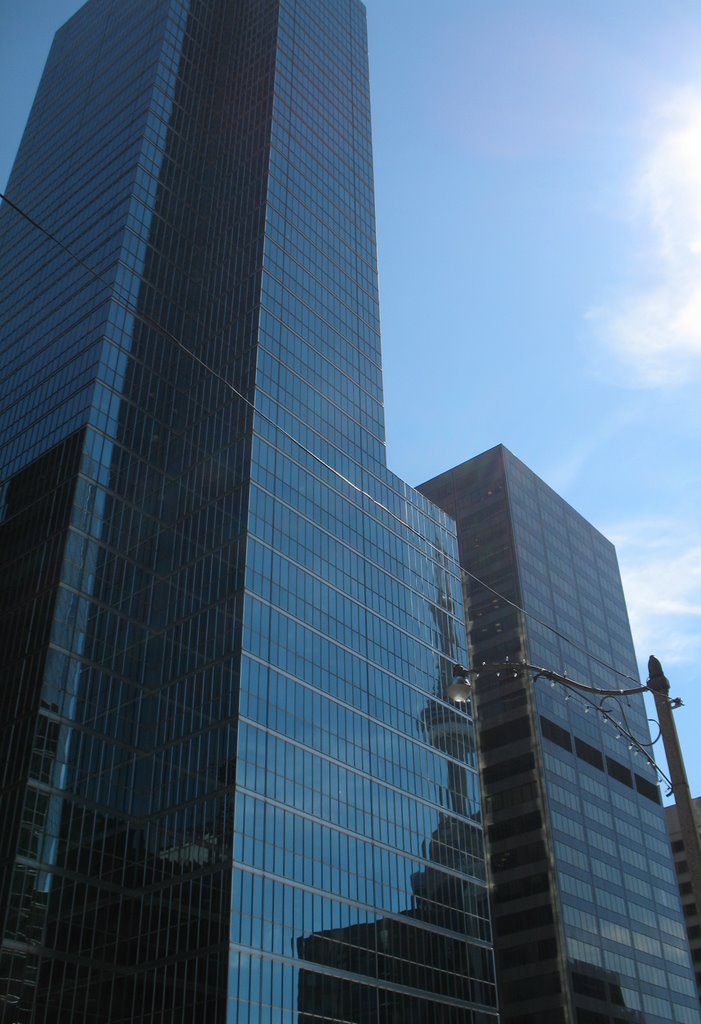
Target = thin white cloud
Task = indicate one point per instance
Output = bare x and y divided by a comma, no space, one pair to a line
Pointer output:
571,460
655,330
661,568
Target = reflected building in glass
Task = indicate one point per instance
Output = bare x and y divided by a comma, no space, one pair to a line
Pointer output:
232,788
587,922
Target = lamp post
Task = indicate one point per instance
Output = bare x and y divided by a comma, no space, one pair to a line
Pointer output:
658,684
460,691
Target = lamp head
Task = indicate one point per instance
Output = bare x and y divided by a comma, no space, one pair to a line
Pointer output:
658,681
460,690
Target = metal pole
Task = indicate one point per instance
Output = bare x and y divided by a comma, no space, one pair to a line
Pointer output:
688,823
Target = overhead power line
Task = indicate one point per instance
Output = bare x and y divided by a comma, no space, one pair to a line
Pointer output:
148,321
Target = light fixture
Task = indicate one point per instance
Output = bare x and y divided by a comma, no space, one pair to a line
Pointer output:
460,690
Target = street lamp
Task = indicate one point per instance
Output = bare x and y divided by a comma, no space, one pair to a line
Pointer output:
460,692
462,687
658,684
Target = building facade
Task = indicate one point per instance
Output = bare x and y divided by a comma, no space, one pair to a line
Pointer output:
588,927
232,789
690,899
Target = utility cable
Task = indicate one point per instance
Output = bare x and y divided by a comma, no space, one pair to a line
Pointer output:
132,309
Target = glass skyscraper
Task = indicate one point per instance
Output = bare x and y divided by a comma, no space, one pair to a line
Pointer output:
232,789
588,926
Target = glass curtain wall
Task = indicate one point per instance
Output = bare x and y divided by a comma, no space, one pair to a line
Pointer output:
234,789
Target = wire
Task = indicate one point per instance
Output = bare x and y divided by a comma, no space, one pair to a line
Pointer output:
546,625
148,321
624,729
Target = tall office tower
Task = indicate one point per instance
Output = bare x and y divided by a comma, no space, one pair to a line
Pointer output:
232,790
691,901
586,915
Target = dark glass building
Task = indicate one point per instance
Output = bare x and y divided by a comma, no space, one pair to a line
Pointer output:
588,926
232,789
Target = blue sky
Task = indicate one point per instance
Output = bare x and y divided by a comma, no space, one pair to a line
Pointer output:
538,177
